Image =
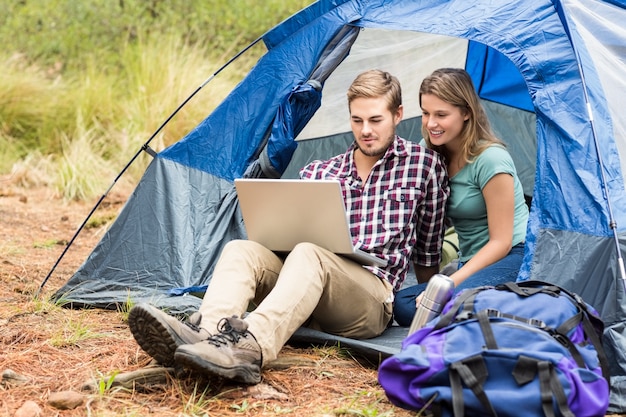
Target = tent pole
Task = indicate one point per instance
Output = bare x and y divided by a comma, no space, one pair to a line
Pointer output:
145,147
612,222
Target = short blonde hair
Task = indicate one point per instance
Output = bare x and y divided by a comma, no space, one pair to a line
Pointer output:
376,83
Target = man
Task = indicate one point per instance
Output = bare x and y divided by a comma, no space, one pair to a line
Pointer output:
395,193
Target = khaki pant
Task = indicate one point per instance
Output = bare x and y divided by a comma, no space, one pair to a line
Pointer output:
311,285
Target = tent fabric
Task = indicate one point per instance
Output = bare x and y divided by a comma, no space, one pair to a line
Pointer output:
496,78
550,73
139,260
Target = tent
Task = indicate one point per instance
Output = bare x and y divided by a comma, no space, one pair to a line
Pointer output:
550,72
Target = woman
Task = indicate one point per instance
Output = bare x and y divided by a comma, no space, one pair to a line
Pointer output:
486,205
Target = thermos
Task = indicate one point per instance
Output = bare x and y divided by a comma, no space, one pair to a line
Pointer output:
437,293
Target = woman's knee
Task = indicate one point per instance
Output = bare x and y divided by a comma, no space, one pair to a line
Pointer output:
404,305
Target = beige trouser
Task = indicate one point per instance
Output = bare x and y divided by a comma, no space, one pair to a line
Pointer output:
339,296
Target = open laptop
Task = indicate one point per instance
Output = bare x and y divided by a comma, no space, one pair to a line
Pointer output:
280,213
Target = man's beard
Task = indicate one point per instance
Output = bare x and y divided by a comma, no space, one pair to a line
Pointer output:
372,152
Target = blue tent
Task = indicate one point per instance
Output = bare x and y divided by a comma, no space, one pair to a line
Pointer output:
550,72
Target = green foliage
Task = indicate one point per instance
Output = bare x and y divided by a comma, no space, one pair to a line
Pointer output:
364,404
72,333
85,84
105,383
63,31
30,105
125,308
47,244
197,401
99,221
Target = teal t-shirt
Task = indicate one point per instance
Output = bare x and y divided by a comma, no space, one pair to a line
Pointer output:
466,205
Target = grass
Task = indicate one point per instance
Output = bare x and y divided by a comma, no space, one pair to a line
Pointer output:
30,109
88,83
197,401
93,141
73,332
50,243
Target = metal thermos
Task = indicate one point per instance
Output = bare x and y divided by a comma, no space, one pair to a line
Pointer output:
437,293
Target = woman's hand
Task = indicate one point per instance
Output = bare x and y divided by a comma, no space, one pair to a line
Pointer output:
418,299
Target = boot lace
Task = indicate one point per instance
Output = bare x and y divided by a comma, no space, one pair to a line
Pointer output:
228,334
193,322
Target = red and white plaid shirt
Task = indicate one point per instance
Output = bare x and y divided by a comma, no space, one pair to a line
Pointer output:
398,213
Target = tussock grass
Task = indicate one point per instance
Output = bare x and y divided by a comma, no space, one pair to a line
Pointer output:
105,119
90,83
29,108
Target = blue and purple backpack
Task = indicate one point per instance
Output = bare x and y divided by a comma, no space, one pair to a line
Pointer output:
517,349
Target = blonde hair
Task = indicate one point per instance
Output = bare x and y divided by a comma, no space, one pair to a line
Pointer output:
455,86
376,83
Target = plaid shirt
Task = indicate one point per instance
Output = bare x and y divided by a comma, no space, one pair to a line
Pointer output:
398,213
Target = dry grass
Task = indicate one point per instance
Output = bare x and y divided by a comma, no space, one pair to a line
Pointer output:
58,349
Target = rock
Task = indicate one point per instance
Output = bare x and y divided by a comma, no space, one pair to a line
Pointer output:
10,377
264,392
65,400
261,391
28,409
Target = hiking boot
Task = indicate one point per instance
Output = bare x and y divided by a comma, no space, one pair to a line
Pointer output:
233,353
159,334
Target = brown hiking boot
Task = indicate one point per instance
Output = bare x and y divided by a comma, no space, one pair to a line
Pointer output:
233,353
159,334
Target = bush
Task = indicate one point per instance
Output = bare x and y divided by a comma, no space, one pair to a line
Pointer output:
66,31
88,82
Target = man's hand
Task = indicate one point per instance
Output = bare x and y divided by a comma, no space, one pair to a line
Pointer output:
423,273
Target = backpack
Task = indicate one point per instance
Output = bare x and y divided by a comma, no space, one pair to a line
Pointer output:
516,349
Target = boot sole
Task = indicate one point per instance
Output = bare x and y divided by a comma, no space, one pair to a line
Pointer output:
239,373
151,335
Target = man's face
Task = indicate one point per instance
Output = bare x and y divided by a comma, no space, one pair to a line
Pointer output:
373,125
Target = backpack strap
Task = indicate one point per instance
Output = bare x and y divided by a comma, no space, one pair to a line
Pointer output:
550,387
471,372
464,299
533,322
593,325
528,288
590,332
546,372
543,369
485,327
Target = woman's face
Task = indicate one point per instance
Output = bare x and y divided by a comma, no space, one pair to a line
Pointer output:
443,121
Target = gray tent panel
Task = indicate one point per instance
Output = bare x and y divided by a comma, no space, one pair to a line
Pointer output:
167,238
602,288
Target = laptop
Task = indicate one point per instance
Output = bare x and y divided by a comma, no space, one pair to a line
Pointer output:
280,213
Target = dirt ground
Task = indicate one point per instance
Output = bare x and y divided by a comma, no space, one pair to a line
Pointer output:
54,350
